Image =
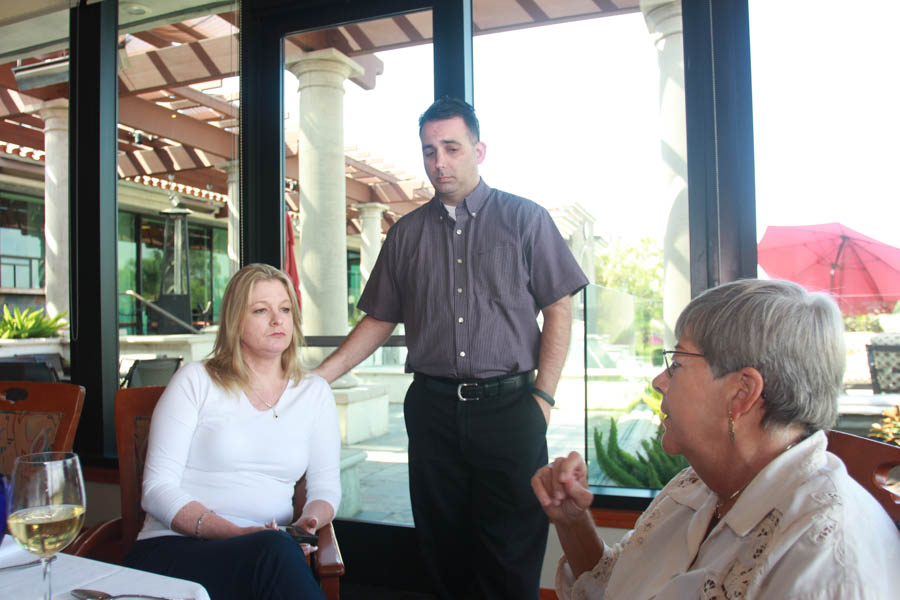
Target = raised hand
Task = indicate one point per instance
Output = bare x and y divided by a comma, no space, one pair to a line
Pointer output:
562,489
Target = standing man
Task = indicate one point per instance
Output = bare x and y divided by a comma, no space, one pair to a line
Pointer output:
468,273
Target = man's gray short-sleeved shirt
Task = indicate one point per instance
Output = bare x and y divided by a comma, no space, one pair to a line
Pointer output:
469,291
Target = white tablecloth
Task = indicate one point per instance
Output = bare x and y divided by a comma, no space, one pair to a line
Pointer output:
72,572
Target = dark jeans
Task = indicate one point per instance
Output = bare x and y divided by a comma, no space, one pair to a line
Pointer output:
263,565
482,532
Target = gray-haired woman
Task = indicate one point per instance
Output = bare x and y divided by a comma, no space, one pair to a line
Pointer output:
763,511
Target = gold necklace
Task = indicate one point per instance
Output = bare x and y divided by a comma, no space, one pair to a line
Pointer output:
271,406
719,505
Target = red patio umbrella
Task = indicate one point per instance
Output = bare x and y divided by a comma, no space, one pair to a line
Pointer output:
290,263
861,273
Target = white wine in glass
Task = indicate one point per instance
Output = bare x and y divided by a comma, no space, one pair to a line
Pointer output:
46,504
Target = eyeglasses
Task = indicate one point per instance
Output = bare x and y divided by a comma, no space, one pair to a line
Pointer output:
666,354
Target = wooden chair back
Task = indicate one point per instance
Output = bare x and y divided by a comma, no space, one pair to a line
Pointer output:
869,462
37,417
134,408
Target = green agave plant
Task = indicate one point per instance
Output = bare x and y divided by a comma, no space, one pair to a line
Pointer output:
21,324
651,470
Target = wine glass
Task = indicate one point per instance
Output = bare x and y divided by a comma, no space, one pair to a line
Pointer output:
4,489
46,504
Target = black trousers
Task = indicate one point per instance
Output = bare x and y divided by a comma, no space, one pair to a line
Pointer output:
266,565
480,527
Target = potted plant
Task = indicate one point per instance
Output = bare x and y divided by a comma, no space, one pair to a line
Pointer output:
888,429
31,332
21,324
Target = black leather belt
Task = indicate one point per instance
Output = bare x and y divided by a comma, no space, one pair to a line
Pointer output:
476,389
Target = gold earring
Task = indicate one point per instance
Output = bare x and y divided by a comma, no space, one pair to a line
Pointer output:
730,426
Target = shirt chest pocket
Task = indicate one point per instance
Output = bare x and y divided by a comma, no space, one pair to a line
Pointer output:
498,274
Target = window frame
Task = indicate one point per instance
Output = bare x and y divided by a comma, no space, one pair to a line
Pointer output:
718,117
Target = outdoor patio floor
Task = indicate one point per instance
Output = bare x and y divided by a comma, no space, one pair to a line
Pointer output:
384,480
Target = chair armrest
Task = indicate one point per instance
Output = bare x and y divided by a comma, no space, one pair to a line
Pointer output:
102,541
328,560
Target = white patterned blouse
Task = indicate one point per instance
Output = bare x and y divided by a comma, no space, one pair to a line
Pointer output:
802,529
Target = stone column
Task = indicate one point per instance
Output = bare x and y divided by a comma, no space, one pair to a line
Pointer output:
232,169
55,114
370,214
323,190
663,18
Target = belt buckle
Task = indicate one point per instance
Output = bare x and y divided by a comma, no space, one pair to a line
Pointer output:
459,390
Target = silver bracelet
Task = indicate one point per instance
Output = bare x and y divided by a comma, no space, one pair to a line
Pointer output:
200,522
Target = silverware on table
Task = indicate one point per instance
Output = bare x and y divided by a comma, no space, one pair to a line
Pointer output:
98,595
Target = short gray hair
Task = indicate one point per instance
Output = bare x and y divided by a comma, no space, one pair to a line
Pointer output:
794,338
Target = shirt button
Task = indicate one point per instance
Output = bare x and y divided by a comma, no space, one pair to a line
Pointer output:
460,319
459,232
462,353
473,213
459,290
459,261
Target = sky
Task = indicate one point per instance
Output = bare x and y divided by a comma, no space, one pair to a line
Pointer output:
570,113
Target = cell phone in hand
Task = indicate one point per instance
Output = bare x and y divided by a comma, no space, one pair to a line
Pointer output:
301,535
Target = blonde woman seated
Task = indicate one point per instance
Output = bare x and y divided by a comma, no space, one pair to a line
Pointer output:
229,438
763,511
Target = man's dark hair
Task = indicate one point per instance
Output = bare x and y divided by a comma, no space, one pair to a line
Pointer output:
447,108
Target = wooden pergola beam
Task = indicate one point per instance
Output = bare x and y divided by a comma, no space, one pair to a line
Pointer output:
170,159
162,122
189,93
21,136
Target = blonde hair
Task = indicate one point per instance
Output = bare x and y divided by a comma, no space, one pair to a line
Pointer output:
226,366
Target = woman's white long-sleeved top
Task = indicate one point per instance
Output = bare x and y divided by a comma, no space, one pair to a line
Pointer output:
803,529
216,448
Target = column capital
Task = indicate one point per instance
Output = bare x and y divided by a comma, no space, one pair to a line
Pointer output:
57,111
232,170
663,18
371,208
326,67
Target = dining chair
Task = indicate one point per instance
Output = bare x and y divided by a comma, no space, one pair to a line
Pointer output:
110,541
869,462
37,417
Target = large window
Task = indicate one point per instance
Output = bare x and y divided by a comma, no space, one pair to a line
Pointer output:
609,166
593,142
825,132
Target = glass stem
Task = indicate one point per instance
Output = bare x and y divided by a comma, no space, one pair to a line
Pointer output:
45,567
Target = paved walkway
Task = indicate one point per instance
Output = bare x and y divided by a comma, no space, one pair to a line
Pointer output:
384,481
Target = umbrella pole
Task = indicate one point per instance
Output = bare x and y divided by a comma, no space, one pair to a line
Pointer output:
836,264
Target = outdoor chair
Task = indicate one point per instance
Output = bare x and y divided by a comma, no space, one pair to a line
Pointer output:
110,541
869,462
53,361
884,363
151,371
37,417
27,369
